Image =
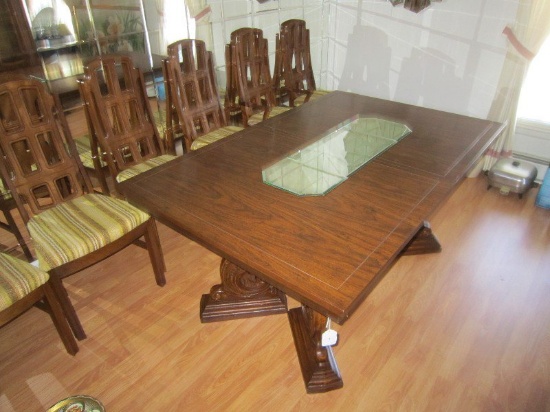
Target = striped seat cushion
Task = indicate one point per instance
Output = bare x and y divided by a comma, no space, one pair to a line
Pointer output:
17,279
4,191
82,144
275,110
214,136
80,226
142,167
159,116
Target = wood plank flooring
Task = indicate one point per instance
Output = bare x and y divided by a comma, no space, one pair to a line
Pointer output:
464,330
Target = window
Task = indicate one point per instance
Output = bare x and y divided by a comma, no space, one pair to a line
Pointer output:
534,102
178,24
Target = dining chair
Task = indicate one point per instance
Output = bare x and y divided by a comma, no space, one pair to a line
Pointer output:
22,286
7,206
90,158
193,101
172,125
71,226
120,119
293,78
93,157
249,83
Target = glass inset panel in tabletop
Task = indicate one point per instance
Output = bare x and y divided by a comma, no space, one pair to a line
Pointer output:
324,164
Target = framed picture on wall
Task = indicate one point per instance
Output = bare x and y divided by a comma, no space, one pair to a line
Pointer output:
118,26
124,4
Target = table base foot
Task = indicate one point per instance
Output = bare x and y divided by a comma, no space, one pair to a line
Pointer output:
318,364
240,295
214,310
423,242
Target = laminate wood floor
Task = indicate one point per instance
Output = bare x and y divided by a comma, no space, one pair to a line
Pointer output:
467,329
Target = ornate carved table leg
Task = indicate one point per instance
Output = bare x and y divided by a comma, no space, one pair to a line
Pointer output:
240,295
423,242
318,365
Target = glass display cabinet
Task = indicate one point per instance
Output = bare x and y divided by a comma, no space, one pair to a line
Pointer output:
68,33
17,48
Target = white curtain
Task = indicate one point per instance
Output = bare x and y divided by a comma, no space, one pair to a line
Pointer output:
160,12
175,22
531,28
200,12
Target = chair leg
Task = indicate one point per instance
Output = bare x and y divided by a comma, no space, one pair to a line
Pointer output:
101,176
59,319
15,230
66,305
155,252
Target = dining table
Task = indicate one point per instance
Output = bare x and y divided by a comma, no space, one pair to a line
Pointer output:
315,204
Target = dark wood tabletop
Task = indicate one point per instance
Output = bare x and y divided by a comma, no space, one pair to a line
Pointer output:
327,252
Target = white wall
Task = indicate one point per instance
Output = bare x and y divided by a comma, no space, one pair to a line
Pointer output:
448,56
152,19
532,143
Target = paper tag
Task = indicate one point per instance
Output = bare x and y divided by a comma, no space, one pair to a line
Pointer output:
329,337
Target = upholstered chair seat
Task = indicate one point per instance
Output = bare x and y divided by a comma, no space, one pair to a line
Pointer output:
259,117
21,286
159,117
18,279
82,144
214,136
81,226
83,147
142,167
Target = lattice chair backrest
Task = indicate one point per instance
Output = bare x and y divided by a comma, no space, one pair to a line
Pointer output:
119,112
294,59
193,92
248,54
231,94
40,164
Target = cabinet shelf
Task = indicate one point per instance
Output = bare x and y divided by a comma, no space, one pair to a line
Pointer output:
45,45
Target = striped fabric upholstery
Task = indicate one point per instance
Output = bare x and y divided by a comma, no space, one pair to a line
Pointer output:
160,121
82,144
258,117
142,167
81,226
316,94
17,279
4,191
214,136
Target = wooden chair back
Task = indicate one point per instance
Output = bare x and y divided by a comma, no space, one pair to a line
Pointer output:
249,85
40,163
119,113
7,205
293,74
172,128
192,99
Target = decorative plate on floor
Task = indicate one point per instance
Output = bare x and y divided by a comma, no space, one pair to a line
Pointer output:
78,403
